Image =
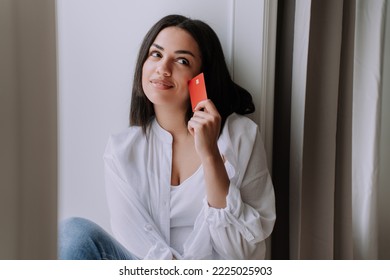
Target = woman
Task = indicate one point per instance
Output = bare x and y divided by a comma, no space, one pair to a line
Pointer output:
182,184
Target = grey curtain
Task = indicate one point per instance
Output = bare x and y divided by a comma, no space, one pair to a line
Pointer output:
320,86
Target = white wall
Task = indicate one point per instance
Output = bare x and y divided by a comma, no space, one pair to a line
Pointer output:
98,42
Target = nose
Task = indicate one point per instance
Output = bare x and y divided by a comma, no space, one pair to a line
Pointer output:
163,68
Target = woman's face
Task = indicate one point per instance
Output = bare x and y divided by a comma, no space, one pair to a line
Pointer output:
174,58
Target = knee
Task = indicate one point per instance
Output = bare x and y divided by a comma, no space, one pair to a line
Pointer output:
74,227
74,234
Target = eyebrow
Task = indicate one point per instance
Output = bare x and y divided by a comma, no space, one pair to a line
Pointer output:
178,51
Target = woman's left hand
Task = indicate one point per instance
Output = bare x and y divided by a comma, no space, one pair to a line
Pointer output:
205,126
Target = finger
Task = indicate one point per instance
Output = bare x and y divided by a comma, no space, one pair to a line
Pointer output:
191,128
206,105
194,126
207,119
203,115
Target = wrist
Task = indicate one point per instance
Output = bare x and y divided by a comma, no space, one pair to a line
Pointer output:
212,157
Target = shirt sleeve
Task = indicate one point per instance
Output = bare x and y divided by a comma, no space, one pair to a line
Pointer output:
239,230
130,221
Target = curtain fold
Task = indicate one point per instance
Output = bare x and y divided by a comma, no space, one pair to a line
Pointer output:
281,149
334,69
343,243
320,126
366,125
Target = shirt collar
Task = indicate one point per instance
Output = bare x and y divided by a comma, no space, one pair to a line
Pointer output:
161,133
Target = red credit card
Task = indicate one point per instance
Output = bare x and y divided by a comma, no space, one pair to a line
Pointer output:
197,89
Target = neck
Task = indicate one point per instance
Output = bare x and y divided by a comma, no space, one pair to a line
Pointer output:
173,121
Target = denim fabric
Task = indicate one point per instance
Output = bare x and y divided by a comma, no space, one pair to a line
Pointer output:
81,239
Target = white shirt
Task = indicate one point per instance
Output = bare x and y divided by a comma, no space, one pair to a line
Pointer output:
154,220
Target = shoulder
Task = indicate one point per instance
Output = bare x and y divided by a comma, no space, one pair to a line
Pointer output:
239,137
237,127
120,142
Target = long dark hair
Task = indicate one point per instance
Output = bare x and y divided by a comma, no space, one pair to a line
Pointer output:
227,96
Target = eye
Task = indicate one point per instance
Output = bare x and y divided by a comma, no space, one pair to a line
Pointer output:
155,54
183,61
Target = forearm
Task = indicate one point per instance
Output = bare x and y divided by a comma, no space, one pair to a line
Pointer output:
216,179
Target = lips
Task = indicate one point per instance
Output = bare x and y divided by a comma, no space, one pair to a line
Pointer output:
161,84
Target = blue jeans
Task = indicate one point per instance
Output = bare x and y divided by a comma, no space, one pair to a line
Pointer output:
81,239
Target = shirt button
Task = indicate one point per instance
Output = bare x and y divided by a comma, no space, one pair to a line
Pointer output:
148,227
